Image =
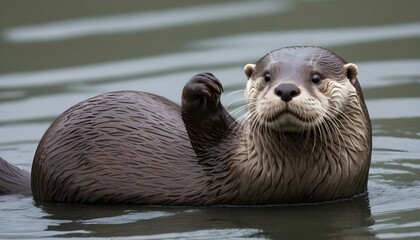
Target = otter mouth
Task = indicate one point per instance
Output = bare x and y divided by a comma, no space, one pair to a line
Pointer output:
288,112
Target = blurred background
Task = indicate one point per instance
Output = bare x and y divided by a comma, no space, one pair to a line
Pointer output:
54,54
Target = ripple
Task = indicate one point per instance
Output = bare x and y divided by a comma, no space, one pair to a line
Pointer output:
385,198
32,133
383,171
398,235
20,219
397,144
46,106
389,73
401,108
124,68
128,218
142,21
204,234
322,37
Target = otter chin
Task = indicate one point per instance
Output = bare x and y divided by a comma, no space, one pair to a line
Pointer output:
306,138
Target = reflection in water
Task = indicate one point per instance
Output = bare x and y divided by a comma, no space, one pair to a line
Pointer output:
395,205
23,220
350,217
142,21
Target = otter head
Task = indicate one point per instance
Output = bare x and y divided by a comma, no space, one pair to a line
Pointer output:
299,88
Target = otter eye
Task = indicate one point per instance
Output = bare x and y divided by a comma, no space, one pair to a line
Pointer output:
316,78
267,77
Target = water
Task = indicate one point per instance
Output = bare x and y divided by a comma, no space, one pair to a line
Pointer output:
53,55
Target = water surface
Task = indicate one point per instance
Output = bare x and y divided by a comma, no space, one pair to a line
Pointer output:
53,55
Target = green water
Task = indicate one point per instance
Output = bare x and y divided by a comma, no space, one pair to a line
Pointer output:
54,54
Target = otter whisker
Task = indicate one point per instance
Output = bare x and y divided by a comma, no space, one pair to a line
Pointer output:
241,100
238,110
235,92
241,122
334,122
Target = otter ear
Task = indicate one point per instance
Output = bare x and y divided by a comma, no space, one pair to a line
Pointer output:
351,71
249,69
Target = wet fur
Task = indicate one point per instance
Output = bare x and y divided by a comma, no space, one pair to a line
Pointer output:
13,179
134,147
120,147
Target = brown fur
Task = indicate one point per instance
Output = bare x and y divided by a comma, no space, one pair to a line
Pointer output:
120,147
13,179
134,147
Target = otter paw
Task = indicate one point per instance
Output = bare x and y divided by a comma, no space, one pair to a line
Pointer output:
202,89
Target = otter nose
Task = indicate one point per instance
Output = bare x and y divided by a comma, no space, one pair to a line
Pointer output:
287,91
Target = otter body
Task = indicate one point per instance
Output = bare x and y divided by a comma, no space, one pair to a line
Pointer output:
119,147
306,138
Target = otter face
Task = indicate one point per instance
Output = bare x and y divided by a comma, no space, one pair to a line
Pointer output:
299,88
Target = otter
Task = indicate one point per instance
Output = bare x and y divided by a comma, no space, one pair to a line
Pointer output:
306,138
